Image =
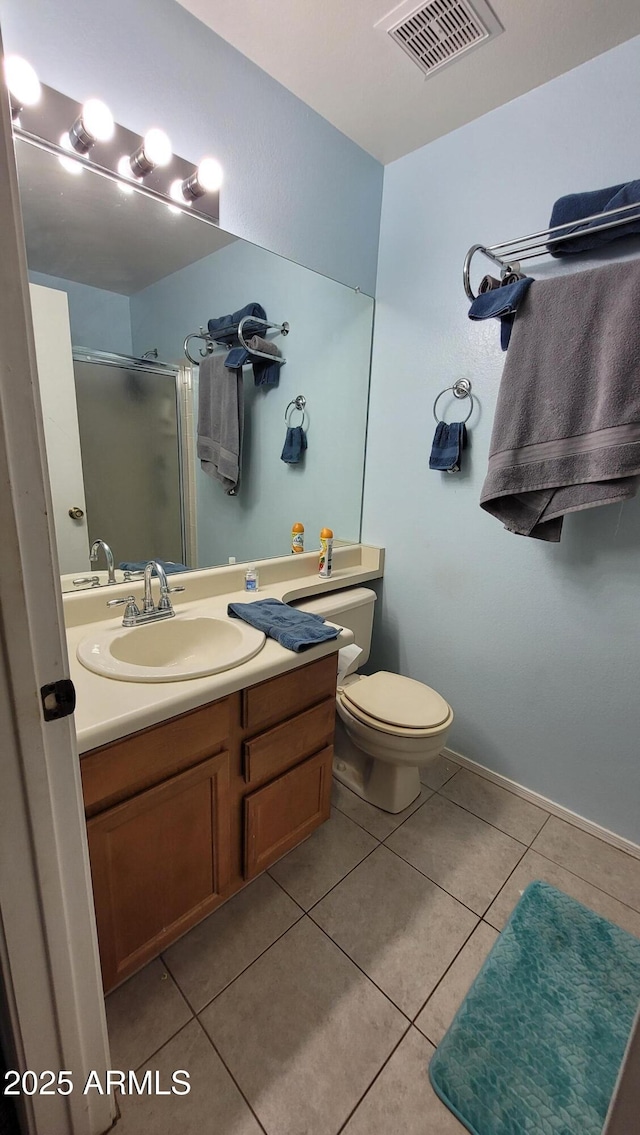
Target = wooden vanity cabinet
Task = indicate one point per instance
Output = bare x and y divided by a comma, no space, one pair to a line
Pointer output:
182,815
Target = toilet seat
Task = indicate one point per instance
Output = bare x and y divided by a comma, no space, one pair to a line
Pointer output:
399,706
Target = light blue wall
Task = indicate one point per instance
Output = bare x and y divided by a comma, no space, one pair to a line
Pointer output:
536,646
327,354
99,319
294,183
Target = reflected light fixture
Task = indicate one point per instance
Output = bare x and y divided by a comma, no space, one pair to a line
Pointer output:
124,169
70,164
154,151
176,194
93,124
207,178
22,82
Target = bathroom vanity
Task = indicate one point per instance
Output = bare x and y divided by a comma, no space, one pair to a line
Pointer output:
188,795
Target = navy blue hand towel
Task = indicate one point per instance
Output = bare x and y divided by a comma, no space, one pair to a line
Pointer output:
501,303
293,629
170,566
295,444
224,328
448,442
576,206
265,371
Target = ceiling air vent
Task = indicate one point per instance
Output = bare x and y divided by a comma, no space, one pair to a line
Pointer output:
436,34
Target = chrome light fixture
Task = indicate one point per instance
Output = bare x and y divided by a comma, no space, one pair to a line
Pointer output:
93,124
22,82
207,178
155,151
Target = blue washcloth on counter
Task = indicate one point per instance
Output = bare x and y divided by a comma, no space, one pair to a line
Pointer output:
294,446
448,442
169,566
501,303
576,206
224,329
293,629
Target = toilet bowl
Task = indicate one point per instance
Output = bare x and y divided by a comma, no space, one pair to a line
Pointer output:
388,726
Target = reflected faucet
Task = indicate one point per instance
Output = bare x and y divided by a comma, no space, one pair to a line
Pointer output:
108,555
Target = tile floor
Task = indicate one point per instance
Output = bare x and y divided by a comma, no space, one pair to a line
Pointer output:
310,1004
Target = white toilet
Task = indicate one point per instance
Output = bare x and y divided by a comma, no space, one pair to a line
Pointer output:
389,726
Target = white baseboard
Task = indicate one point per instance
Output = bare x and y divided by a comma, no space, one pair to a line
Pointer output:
548,805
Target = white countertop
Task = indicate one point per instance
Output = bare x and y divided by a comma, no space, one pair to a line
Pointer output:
107,709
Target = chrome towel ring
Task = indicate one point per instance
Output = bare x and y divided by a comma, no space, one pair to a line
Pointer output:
298,403
460,389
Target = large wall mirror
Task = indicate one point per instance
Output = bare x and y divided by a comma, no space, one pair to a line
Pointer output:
117,281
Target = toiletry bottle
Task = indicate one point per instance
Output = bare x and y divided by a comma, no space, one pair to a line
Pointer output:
251,581
326,553
297,538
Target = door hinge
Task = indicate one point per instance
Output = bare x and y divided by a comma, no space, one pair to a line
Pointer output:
58,699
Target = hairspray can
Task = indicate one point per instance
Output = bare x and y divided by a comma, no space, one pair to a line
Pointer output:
326,553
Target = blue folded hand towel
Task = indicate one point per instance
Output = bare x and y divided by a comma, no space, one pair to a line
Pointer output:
576,206
448,442
169,566
293,629
501,303
224,329
295,444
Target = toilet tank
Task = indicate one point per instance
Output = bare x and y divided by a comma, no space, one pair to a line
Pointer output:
352,609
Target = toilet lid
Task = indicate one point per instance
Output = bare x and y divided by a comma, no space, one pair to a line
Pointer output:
397,701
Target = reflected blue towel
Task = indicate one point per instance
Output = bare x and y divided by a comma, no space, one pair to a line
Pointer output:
224,329
575,206
266,372
169,566
295,444
501,303
296,630
448,442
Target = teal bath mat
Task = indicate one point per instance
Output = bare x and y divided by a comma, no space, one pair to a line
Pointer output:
536,1046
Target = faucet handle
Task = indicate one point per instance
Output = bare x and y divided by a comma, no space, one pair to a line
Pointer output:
132,606
94,580
133,575
170,590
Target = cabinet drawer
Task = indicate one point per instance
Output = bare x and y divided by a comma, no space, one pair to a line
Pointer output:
290,693
285,811
159,863
287,744
119,770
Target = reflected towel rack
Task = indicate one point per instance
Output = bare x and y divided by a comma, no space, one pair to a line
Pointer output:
507,256
234,328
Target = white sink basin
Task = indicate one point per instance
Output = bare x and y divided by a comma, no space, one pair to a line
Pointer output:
171,650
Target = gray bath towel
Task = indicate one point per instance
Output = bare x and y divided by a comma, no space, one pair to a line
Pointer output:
566,434
220,420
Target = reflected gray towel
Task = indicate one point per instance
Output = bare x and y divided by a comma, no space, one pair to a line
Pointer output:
566,434
220,419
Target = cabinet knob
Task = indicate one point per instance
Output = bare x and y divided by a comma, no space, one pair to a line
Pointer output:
76,513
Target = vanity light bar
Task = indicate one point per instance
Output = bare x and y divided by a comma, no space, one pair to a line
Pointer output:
133,162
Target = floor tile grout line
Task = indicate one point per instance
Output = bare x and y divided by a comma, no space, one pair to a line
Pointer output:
589,881
345,876
441,979
359,967
196,1012
161,1046
226,1066
432,792
492,825
424,874
377,1075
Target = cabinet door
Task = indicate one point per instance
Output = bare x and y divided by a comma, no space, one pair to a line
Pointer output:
159,863
286,811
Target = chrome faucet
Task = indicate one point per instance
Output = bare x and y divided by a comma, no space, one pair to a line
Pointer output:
108,555
133,616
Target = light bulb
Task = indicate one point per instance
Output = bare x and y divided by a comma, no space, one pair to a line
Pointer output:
22,81
98,120
154,151
157,147
210,175
175,191
69,164
93,124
